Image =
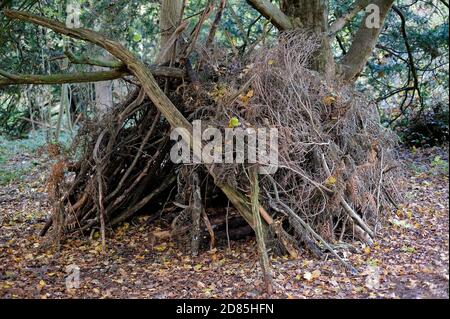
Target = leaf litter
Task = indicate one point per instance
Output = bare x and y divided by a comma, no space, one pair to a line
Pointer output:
410,258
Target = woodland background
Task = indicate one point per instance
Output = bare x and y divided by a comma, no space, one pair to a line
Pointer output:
405,78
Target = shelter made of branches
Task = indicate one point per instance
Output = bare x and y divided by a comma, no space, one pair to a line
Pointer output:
334,180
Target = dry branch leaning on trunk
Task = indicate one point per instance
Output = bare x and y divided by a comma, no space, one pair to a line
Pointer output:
148,83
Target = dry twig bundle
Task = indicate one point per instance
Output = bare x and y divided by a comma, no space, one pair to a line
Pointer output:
334,177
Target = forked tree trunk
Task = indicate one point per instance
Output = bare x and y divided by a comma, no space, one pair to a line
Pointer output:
313,15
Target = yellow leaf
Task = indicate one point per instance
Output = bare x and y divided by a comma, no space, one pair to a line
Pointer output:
244,99
329,100
161,247
42,283
367,250
330,181
250,93
99,248
207,291
271,62
198,267
218,92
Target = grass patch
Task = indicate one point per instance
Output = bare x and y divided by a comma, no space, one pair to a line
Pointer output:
11,171
9,176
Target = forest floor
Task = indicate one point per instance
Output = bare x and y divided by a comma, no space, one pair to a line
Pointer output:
409,260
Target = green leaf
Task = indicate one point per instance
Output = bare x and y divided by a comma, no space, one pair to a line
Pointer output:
234,122
137,37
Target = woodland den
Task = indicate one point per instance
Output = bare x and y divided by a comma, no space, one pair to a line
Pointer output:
224,149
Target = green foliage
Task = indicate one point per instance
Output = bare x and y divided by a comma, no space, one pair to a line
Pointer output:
11,169
8,176
12,121
136,24
440,165
421,115
31,143
427,129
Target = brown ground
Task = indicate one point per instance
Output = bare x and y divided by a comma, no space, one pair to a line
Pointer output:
410,259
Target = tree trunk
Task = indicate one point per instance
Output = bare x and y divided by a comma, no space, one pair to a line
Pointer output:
103,93
103,90
170,18
312,15
364,42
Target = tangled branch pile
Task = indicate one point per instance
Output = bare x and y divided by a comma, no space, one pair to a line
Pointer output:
335,177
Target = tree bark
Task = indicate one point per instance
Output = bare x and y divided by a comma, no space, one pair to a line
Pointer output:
363,44
259,230
82,77
340,22
103,95
103,89
196,209
272,13
170,18
312,15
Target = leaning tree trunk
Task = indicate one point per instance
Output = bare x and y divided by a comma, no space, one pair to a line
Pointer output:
313,15
364,41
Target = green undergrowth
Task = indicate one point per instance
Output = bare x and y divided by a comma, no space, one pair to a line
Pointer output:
17,156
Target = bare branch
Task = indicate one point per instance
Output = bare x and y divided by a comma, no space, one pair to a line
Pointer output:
92,61
412,65
12,79
346,17
396,91
272,13
212,31
82,77
259,230
151,89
